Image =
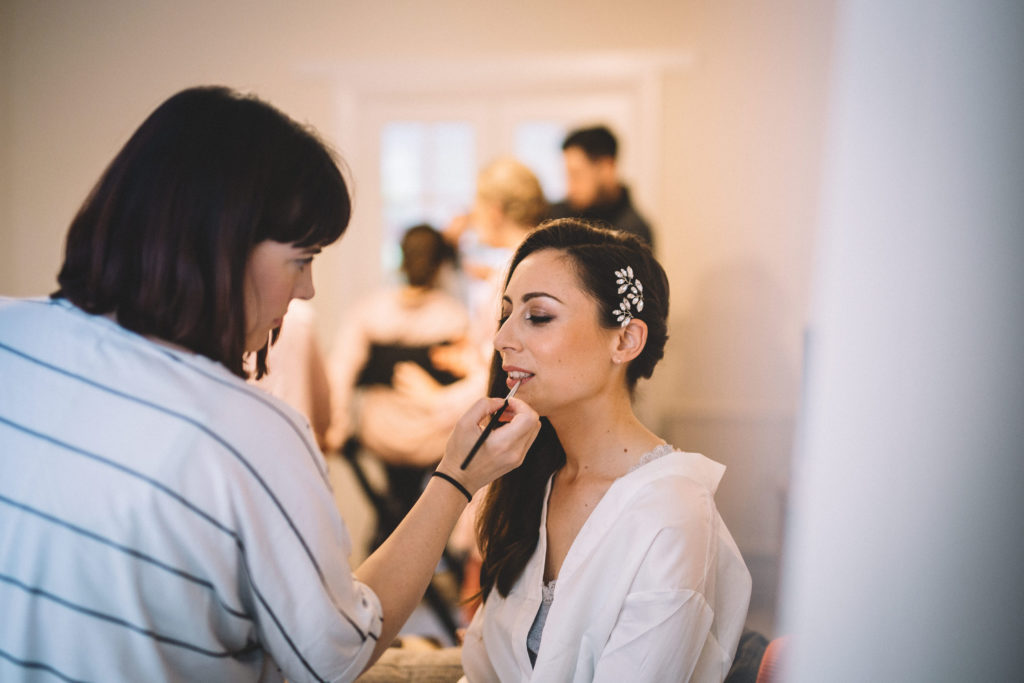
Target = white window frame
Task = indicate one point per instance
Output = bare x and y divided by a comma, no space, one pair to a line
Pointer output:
621,89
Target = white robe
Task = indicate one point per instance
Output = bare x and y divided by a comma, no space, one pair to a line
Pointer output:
653,588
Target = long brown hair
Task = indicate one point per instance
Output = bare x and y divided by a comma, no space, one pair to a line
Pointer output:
163,239
508,526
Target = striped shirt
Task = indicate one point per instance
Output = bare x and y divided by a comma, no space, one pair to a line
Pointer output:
160,519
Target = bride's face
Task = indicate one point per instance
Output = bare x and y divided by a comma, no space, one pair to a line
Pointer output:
550,337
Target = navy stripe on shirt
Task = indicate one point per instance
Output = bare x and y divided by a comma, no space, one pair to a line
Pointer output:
314,455
39,666
190,506
33,590
127,550
256,395
208,432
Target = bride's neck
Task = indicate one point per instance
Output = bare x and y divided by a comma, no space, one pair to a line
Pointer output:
603,447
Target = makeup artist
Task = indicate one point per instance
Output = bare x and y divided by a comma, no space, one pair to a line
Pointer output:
161,519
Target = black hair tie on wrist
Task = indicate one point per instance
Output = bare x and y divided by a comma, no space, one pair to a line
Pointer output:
451,480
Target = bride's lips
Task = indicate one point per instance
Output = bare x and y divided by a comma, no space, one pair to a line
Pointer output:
516,375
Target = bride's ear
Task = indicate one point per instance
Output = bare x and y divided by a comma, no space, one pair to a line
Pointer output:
629,341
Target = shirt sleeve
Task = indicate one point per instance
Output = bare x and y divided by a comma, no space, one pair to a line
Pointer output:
317,622
665,621
658,636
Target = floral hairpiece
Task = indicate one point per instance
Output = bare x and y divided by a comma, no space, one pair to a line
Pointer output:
634,295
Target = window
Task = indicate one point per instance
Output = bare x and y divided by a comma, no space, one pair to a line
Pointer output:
415,135
428,171
427,175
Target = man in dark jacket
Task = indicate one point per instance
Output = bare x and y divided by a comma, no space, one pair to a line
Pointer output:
594,191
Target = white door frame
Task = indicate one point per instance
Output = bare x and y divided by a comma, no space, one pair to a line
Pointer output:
363,90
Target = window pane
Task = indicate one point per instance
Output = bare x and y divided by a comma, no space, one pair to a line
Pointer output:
454,166
402,156
428,174
539,146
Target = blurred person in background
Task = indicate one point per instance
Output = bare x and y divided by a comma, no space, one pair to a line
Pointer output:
382,336
509,203
300,370
594,191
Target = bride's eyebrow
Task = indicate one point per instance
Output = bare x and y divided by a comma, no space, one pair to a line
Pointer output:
534,295
505,299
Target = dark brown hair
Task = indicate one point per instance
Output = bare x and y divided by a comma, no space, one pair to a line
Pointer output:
424,253
597,142
163,239
509,521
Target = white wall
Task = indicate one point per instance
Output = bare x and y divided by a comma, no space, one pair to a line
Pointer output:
6,129
741,150
907,552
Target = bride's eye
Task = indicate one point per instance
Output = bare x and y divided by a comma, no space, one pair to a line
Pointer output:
539,318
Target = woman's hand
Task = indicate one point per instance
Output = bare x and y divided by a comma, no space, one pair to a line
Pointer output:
458,358
414,382
504,448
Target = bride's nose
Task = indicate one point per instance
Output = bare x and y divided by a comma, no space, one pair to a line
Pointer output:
504,338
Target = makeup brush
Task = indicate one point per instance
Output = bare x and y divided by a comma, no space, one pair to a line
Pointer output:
491,424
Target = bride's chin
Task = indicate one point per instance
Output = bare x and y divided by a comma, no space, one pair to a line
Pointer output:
539,403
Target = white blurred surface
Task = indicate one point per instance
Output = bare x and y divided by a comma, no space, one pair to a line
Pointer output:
907,535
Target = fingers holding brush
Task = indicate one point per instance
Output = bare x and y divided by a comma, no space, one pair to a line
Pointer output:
494,451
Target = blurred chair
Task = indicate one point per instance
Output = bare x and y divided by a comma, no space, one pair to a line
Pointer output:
758,660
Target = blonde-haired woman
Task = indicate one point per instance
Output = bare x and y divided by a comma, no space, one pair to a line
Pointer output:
509,203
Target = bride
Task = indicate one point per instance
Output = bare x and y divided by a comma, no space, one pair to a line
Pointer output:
604,556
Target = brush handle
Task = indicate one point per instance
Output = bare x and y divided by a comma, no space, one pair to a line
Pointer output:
491,424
